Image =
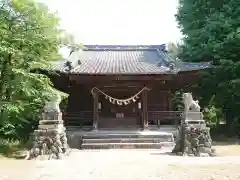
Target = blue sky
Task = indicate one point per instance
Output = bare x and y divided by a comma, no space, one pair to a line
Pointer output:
119,21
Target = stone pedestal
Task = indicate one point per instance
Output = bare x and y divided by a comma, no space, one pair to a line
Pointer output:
194,141
50,137
52,115
194,136
194,115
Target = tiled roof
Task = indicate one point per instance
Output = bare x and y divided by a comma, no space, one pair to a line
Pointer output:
139,59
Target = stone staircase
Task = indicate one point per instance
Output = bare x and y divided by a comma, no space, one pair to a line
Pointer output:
127,140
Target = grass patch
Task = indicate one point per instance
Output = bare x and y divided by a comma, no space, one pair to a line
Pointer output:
10,148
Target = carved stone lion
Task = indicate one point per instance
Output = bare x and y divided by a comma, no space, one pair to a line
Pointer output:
53,104
190,104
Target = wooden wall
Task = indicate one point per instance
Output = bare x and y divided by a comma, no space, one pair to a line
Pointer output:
80,103
80,99
80,106
159,103
158,100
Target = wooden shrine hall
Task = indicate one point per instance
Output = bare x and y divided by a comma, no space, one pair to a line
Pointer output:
117,87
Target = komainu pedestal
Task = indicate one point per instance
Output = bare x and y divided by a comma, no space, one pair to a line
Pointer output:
50,138
194,141
194,136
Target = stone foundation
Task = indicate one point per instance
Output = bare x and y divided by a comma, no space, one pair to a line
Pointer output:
50,138
194,141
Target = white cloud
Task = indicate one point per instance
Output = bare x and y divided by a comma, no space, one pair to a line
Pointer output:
119,21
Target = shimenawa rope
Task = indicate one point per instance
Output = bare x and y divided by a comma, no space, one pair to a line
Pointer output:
120,101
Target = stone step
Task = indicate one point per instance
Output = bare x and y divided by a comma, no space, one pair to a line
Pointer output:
50,126
128,140
127,145
51,122
122,135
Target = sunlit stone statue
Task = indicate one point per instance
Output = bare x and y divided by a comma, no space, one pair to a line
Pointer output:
191,107
53,104
190,104
52,109
50,137
193,137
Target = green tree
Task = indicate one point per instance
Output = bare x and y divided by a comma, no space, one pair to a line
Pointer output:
30,39
211,32
173,50
69,41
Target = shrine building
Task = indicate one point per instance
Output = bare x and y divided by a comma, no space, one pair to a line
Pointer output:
123,87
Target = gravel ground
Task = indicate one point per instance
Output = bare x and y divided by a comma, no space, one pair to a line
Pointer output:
124,165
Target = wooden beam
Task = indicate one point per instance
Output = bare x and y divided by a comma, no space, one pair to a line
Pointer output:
144,110
95,110
170,99
118,78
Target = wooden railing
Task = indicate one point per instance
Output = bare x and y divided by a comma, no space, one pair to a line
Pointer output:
85,117
78,118
114,114
165,116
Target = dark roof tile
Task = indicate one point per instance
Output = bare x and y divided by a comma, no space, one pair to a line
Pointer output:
125,60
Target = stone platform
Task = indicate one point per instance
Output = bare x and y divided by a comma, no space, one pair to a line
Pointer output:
120,139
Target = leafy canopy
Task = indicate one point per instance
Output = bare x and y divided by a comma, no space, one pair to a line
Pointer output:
211,32
30,39
173,50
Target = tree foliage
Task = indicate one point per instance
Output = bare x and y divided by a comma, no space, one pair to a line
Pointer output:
211,32
69,41
30,39
174,50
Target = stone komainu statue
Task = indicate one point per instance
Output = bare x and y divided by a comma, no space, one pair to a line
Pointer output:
190,104
53,104
50,137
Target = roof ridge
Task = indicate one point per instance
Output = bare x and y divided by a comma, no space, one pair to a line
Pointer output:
120,49
160,47
133,62
168,61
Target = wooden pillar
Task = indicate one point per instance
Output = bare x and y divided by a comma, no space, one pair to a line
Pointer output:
95,110
170,98
144,110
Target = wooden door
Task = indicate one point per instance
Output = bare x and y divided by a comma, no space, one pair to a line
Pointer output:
119,116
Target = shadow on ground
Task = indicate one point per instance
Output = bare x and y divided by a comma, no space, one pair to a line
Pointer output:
164,153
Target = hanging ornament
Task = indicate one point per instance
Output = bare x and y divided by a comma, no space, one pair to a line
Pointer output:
126,102
119,102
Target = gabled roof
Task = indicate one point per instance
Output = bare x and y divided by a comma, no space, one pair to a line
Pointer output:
121,59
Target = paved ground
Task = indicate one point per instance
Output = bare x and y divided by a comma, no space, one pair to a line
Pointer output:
124,165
